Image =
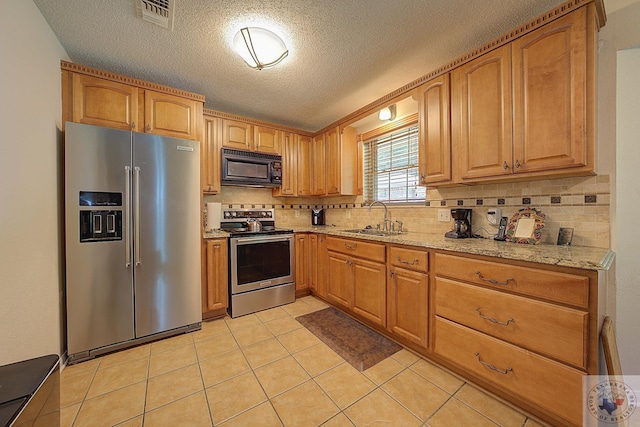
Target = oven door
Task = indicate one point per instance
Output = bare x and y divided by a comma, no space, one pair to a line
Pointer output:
260,262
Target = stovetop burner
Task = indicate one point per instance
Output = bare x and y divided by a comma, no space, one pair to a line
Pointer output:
234,221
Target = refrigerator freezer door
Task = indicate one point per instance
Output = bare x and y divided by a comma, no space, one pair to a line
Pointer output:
99,285
166,185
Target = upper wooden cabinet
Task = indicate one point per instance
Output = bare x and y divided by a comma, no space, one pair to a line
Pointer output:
171,115
481,115
527,108
305,174
552,94
100,102
289,148
318,183
434,131
341,161
237,134
100,98
266,140
210,155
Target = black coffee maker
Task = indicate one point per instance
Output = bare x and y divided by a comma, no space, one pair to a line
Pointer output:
461,224
317,216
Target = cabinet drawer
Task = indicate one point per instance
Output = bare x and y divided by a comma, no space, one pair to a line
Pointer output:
553,330
554,286
550,385
371,251
409,258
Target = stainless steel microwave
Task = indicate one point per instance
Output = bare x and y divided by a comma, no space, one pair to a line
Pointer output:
249,168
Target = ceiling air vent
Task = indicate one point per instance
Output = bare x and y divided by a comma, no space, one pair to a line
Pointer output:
159,12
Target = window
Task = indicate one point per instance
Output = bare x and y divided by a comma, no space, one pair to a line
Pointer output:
391,168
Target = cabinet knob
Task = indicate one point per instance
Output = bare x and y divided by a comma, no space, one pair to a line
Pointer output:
505,166
148,128
422,178
133,125
517,164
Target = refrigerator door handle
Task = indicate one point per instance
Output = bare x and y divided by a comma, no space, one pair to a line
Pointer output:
136,215
127,216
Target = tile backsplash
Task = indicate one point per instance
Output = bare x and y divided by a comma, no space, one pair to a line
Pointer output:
581,203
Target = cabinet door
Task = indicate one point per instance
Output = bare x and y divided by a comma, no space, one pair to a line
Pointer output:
407,305
550,88
435,137
312,261
360,168
318,166
104,103
481,104
217,296
305,169
289,147
171,115
332,161
322,260
302,259
340,280
237,135
266,140
369,282
210,155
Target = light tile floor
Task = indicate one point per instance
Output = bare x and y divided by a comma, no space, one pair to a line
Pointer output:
266,369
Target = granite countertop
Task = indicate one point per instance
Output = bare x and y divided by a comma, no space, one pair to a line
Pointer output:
586,258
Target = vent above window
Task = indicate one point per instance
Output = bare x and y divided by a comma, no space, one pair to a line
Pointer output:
159,12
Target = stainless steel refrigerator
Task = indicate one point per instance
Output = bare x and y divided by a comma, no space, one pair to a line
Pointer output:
132,228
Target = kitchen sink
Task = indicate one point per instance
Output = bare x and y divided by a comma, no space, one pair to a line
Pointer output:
371,232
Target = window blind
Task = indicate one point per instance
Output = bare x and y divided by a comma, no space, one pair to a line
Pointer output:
391,168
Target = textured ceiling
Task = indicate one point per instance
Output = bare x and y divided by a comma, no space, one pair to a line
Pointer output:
343,54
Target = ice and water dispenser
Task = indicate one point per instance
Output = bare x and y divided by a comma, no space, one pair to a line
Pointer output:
102,220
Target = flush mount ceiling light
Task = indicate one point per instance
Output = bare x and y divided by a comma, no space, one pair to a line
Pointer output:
259,48
388,113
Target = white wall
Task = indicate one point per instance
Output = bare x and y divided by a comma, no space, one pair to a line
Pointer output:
30,240
628,238
618,131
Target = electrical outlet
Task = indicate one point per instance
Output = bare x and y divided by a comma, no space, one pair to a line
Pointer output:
494,215
297,213
444,215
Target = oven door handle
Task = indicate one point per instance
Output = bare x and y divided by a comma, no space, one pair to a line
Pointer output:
281,238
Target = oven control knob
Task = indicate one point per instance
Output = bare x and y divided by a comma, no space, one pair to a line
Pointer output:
233,214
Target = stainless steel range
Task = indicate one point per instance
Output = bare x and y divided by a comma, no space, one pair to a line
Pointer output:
261,261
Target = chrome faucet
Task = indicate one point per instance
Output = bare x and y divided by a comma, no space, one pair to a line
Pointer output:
386,213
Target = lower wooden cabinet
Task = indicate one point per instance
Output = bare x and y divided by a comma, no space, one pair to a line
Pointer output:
319,264
215,283
407,304
302,263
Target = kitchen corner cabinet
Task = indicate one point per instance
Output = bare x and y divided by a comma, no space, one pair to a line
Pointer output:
302,263
319,261
100,98
210,155
407,293
215,293
357,277
305,169
289,152
341,161
434,113
318,183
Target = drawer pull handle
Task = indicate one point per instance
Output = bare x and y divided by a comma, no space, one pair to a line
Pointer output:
493,281
348,246
414,262
493,367
492,320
